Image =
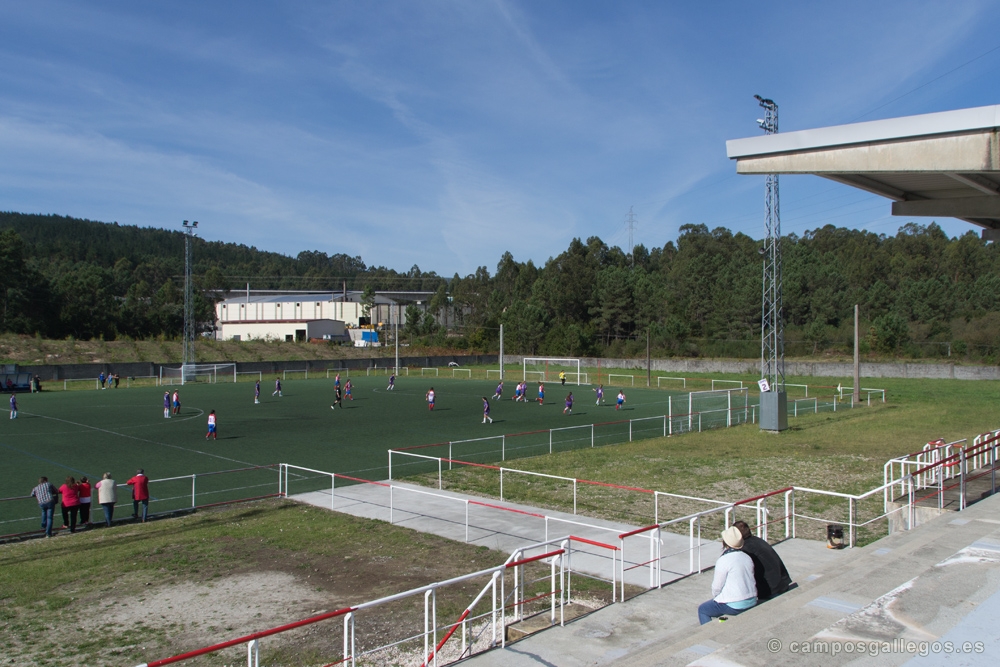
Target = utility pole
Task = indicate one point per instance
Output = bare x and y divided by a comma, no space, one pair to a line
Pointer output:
501,351
187,344
856,396
773,405
649,368
630,222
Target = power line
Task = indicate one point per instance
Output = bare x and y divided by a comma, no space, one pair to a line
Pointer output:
949,72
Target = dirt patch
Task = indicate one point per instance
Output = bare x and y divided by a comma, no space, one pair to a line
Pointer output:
204,609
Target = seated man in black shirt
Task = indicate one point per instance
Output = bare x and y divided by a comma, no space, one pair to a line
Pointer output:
768,570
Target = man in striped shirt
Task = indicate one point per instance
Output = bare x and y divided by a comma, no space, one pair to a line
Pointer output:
45,494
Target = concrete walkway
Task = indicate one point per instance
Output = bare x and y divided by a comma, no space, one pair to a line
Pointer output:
506,526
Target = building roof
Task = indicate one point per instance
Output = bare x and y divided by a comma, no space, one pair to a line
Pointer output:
352,296
940,165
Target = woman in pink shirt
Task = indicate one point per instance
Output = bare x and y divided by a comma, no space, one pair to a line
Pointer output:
70,503
83,490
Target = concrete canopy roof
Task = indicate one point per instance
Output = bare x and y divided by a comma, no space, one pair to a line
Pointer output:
941,164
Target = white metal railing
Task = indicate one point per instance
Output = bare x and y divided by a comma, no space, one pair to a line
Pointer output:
574,481
505,604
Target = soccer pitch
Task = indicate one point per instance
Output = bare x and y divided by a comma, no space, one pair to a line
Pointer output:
90,432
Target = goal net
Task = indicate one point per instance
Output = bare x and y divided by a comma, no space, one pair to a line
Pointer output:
547,369
210,373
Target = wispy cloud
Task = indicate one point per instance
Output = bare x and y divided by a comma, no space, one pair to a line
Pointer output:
443,133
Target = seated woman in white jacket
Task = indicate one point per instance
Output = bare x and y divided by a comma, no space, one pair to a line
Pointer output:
733,587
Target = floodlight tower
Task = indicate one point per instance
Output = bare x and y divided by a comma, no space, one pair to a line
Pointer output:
773,406
187,346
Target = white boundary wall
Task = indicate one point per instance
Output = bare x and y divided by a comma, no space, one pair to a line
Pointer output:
793,368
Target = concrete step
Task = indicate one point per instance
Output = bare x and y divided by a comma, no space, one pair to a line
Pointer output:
908,587
916,586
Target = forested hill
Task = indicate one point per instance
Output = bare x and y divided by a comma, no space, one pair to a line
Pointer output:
62,276
71,240
921,293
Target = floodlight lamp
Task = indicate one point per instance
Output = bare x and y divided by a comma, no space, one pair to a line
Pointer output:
762,123
759,98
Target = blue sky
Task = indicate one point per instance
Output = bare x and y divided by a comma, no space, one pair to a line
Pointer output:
443,133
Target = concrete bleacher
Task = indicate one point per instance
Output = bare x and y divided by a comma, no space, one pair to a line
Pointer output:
937,583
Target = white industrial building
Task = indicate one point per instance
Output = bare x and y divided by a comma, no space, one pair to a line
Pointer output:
293,316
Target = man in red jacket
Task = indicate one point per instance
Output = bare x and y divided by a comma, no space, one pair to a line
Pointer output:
140,494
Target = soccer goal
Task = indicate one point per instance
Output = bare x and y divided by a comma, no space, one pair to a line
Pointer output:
727,384
429,371
669,381
209,373
461,373
492,372
551,367
621,379
249,376
295,375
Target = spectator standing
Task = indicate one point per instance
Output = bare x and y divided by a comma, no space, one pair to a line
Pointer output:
768,569
46,494
140,494
70,492
107,495
733,587
83,489
13,406
117,380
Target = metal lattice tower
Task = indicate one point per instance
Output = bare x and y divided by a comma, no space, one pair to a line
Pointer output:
187,346
630,223
772,329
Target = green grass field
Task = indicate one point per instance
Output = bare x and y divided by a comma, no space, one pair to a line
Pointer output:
119,430
89,432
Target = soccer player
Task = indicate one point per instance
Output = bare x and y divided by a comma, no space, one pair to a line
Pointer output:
338,399
499,392
562,377
517,393
277,387
569,404
177,402
600,394
620,401
347,390
256,393
211,426
486,411
430,399
101,378
392,382
166,405
336,381
13,406
541,393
